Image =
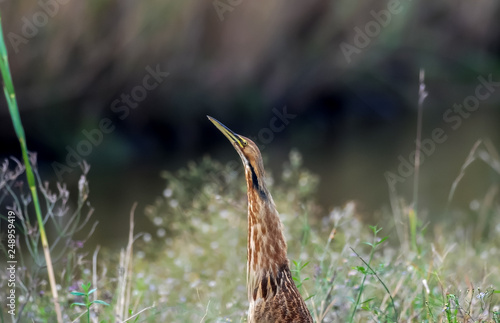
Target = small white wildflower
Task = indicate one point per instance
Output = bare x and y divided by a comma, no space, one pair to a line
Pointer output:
140,254
474,205
199,251
174,203
212,283
335,215
157,220
167,192
86,271
161,233
424,282
295,158
224,214
83,187
481,295
195,283
146,237
21,299
349,208
214,245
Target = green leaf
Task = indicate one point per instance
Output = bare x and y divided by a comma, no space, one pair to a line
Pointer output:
368,300
78,293
78,304
382,240
100,302
310,297
92,291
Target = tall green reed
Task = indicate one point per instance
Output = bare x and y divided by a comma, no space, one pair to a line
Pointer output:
18,127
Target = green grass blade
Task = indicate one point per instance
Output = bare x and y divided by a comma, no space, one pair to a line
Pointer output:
18,127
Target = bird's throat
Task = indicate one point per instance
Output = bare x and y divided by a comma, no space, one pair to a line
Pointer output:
266,257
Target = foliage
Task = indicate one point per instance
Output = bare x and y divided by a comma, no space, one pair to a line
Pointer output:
87,303
64,220
193,266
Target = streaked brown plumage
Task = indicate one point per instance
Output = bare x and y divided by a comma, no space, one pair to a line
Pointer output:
272,294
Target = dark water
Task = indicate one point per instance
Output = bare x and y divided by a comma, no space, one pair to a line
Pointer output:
351,162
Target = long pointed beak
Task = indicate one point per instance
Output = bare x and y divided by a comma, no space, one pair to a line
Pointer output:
232,136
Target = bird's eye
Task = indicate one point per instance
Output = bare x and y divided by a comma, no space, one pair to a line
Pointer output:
244,142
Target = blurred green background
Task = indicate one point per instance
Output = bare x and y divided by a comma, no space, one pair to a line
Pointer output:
347,71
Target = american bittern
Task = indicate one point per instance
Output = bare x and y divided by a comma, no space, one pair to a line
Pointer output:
272,294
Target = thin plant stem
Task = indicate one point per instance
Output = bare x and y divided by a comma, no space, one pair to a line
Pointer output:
18,127
358,299
422,94
382,282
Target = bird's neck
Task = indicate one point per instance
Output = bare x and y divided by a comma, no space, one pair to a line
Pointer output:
266,244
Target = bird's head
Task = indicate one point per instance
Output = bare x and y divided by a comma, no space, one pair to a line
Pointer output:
249,153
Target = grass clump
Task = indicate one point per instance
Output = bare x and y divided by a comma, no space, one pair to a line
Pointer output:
199,268
70,226
87,303
193,265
